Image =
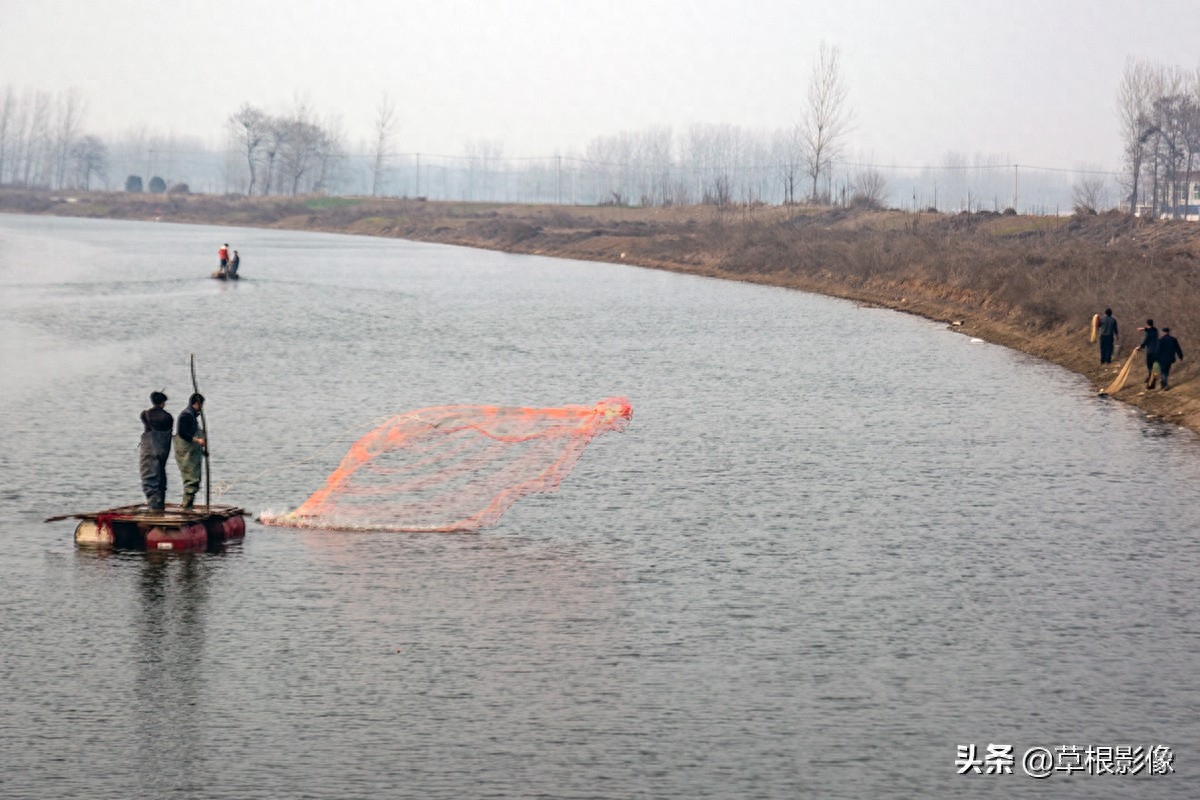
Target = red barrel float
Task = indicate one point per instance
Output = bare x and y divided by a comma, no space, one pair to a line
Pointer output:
222,529
187,537
235,528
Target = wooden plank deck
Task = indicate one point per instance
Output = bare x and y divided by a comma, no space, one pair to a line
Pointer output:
173,515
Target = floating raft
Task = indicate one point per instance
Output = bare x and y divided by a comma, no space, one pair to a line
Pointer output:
173,528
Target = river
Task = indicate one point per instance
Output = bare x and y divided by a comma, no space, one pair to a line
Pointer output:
835,547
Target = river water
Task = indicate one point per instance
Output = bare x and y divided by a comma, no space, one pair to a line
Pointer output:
834,545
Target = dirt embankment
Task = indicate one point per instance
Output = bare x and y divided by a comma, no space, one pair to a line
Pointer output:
1030,283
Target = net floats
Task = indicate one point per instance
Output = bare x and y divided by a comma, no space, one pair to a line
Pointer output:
174,528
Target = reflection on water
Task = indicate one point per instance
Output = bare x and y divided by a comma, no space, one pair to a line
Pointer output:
834,543
170,640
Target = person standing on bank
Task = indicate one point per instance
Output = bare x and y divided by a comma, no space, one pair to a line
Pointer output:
1108,335
189,448
153,450
1168,349
1150,345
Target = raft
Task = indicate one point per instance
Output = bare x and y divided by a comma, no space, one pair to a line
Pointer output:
174,528
223,276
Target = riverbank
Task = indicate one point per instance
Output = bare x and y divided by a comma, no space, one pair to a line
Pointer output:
1029,283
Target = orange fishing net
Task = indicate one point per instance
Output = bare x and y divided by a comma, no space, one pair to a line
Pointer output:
453,468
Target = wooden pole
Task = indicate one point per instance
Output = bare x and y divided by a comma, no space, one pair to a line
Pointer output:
204,425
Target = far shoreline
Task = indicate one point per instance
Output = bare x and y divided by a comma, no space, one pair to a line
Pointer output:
1027,283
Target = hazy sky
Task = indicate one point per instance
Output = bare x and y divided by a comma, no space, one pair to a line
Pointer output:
1032,79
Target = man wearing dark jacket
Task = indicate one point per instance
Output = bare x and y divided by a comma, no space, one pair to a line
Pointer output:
153,450
1168,349
189,448
1108,335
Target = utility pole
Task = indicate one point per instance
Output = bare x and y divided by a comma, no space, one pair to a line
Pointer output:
558,179
418,194
1016,184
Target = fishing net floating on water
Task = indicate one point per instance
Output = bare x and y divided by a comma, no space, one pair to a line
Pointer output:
453,468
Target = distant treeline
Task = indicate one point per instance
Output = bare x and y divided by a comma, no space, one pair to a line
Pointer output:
44,144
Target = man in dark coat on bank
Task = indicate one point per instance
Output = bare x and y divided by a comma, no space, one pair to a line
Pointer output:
1150,345
1168,350
153,450
1108,334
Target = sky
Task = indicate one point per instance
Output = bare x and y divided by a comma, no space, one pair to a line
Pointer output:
1032,80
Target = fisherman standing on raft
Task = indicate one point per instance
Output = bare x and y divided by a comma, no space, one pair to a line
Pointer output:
154,449
223,255
189,448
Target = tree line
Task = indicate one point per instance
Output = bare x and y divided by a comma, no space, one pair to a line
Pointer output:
1159,111
292,153
44,143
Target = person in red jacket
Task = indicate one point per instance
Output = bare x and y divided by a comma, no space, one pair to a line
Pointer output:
223,254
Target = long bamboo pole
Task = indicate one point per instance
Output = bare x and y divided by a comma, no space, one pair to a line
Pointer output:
204,425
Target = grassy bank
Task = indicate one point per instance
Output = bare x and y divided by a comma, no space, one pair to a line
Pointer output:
1030,283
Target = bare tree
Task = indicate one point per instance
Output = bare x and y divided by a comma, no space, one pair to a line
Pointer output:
713,153
329,156
1160,119
1134,106
67,122
1089,193
248,125
787,153
955,178
299,147
28,148
275,139
868,189
8,113
483,166
89,156
38,145
1177,116
1169,111
385,129
652,154
604,156
827,119
1191,135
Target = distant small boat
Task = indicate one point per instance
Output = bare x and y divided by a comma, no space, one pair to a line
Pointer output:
173,528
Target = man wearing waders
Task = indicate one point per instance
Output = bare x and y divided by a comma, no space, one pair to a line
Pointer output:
154,449
189,448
